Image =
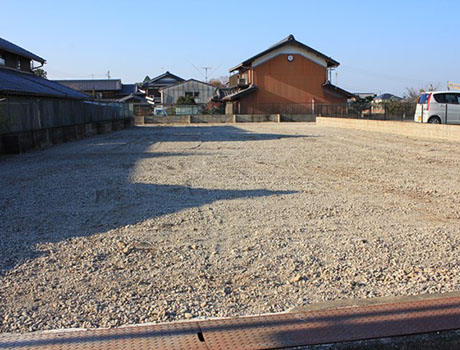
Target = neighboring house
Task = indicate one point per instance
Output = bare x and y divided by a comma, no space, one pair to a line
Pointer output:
201,92
385,98
101,89
17,77
287,73
153,86
378,103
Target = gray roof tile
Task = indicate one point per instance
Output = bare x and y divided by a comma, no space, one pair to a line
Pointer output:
5,45
18,83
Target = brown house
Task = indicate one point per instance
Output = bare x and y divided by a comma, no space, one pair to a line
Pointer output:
288,77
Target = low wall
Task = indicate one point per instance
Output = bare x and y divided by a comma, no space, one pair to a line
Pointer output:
430,131
223,118
167,119
298,117
212,118
257,118
20,142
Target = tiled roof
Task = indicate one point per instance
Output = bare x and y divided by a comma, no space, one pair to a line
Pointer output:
290,40
387,96
92,84
338,90
5,45
239,93
18,83
135,97
156,81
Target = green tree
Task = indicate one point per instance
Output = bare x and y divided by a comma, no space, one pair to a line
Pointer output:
40,72
186,100
362,104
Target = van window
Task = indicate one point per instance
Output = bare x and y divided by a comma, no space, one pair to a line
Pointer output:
452,98
440,98
423,98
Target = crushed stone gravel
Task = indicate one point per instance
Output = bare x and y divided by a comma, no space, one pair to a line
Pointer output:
166,223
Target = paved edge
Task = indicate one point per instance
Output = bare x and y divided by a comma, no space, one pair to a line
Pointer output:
231,331
342,303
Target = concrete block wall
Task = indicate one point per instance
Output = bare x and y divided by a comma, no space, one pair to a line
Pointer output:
139,120
225,118
38,139
104,127
168,119
298,118
257,118
418,130
212,118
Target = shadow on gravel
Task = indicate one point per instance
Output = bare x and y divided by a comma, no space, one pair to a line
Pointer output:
84,188
214,134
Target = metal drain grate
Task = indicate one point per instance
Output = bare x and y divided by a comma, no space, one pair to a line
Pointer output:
329,326
183,336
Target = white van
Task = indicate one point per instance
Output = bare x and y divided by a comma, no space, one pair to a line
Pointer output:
438,107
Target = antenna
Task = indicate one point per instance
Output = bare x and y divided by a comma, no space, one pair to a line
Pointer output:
206,72
108,74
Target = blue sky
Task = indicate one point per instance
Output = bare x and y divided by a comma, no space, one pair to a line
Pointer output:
383,46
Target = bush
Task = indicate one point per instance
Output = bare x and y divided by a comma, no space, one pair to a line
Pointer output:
185,100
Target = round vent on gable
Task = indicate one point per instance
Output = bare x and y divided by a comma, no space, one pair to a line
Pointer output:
290,58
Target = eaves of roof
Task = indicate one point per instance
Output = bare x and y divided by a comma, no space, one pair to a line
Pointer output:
8,46
290,40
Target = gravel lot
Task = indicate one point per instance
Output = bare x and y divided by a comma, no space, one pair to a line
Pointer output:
158,224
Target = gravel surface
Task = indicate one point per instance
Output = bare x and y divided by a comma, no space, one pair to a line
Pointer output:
159,224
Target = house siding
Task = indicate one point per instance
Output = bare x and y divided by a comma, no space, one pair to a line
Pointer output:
205,91
279,81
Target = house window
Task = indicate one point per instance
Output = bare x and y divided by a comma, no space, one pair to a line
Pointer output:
2,60
192,94
18,64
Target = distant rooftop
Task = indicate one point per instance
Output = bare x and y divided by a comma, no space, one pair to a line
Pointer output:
5,45
162,80
92,84
386,97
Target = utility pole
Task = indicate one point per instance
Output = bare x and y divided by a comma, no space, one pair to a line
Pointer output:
206,72
94,88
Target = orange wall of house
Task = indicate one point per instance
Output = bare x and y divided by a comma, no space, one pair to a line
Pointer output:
281,81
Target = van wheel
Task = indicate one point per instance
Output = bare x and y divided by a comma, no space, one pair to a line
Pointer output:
434,120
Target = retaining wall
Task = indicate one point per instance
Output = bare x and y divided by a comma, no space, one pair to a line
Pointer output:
20,142
212,118
298,117
430,131
225,118
167,119
257,118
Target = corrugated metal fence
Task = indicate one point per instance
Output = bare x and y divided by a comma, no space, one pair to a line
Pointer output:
27,114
